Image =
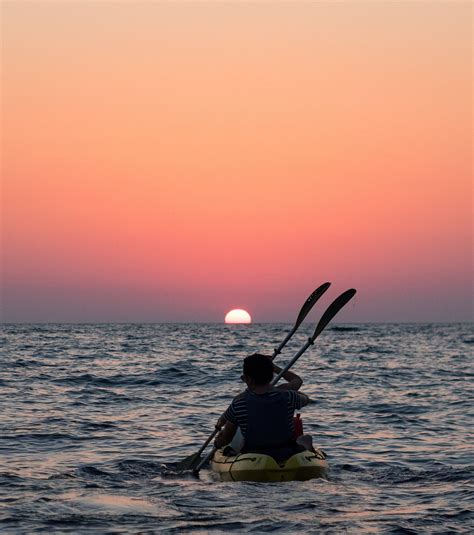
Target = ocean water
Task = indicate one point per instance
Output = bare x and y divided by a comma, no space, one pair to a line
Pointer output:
90,415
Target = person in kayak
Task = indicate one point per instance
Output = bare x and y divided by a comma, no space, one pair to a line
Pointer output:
264,412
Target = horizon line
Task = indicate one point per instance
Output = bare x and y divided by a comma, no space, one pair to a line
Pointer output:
229,324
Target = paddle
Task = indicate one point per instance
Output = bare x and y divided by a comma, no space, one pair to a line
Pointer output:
331,311
308,305
190,462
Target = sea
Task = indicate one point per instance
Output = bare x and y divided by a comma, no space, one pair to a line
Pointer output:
93,418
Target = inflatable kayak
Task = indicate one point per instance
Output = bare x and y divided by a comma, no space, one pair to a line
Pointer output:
258,467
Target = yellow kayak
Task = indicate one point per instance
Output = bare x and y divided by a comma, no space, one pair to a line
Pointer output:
258,467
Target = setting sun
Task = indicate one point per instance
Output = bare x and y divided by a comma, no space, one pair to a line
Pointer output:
238,316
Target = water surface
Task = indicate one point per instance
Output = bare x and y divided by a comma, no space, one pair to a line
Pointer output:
90,414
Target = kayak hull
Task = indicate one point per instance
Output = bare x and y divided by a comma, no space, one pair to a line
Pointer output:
257,467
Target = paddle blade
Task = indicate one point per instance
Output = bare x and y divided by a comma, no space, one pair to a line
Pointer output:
190,463
332,310
310,302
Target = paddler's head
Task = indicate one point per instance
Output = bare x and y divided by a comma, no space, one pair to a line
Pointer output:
258,370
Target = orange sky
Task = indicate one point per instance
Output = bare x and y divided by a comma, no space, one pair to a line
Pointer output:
171,161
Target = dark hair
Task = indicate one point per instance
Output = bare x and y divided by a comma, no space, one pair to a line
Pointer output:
259,368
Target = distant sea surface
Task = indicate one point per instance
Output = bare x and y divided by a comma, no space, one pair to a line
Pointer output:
91,414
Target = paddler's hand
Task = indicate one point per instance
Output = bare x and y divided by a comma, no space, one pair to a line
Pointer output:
225,436
219,441
220,423
294,381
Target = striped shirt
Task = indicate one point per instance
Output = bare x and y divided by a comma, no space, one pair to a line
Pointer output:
236,413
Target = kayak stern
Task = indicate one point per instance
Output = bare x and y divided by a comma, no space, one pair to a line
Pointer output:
258,467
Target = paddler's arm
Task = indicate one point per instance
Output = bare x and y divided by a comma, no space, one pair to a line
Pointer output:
226,434
294,381
227,424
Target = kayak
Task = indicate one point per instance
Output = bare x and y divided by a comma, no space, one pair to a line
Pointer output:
258,467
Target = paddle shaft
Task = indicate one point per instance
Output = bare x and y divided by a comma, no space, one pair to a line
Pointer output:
204,446
277,351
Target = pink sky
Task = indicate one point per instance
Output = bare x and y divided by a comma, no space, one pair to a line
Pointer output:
172,161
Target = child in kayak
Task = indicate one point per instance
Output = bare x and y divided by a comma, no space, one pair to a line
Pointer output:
264,412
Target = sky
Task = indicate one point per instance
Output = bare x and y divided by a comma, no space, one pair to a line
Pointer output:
170,161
